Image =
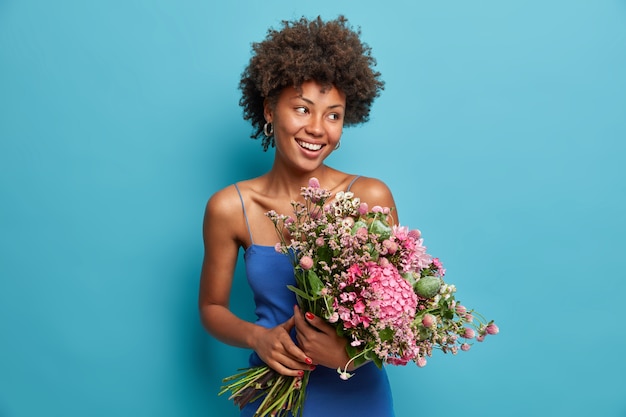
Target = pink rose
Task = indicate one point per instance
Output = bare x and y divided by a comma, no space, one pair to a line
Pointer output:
465,347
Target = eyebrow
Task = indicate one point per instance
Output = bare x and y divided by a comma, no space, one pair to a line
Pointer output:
334,106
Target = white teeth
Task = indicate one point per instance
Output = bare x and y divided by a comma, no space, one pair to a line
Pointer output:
310,146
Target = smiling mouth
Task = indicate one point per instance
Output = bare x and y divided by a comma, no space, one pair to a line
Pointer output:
309,146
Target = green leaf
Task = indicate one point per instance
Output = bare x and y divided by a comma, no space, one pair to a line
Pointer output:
357,225
381,229
301,293
386,335
324,254
371,356
352,351
315,283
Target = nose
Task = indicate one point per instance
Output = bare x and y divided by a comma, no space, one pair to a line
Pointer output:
315,127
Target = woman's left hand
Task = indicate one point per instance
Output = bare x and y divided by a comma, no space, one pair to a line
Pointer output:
319,340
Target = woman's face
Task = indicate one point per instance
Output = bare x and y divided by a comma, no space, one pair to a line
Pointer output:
307,123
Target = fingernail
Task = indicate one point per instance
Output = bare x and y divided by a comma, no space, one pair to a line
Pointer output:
300,373
312,367
308,361
309,315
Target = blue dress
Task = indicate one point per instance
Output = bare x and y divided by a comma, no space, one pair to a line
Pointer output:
366,394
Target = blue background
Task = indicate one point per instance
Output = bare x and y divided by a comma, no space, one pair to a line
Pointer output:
501,133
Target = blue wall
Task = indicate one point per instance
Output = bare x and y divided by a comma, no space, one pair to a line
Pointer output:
501,133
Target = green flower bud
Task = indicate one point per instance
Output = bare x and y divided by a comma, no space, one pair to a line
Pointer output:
428,287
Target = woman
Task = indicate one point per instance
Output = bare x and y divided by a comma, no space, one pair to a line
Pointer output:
302,85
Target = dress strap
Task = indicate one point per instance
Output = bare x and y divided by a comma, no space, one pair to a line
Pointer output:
352,182
243,207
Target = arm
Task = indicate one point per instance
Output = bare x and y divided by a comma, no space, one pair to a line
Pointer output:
221,246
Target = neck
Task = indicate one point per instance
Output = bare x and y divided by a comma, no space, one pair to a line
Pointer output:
287,182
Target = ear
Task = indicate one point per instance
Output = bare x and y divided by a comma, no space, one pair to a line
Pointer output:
268,111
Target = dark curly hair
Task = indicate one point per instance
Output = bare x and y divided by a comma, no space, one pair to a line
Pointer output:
330,53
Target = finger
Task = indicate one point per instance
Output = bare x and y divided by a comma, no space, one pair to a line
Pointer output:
297,354
300,323
289,368
318,323
289,324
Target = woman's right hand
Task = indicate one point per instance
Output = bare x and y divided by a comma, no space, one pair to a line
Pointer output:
276,348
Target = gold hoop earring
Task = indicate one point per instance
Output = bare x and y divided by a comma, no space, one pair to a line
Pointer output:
268,129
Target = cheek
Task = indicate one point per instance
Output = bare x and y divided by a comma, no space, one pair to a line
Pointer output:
335,132
290,124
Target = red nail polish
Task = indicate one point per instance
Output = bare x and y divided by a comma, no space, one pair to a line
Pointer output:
312,367
308,361
300,373
309,315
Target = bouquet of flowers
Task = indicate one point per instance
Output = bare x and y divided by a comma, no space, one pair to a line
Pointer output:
374,281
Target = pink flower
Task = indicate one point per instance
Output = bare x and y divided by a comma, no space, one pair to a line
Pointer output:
363,208
377,209
468,333
480,338
421,362
333,318
344,374
415,234
492,329
429,320
278,248
460,309
306,262
314,183
391,247
319,241
465,347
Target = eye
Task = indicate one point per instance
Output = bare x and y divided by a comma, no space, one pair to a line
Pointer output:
335,116
302,110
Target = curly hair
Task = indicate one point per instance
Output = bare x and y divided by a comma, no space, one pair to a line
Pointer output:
330,53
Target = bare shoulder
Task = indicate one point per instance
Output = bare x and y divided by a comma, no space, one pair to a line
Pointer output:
224,202
224,213
372,191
